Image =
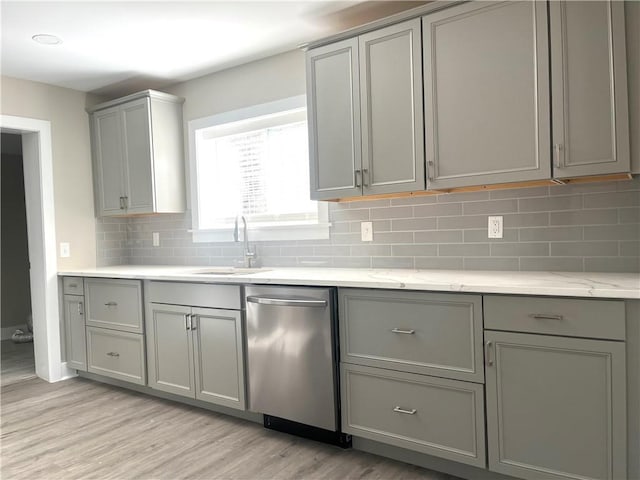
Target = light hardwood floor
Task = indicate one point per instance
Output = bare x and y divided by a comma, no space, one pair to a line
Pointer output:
81,429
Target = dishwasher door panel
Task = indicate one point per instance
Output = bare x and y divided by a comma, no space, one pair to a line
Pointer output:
291,366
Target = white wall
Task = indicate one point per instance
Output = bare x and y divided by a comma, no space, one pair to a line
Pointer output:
73,187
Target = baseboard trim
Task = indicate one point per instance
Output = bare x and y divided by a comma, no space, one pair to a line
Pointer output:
426,461
245,415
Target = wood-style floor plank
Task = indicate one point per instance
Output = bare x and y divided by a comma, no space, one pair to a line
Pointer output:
81,429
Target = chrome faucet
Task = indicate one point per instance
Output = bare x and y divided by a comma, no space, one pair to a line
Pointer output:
248,254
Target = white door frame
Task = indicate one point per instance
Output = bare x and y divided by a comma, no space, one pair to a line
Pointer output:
41,233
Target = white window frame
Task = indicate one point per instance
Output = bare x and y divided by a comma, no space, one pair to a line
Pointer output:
306,231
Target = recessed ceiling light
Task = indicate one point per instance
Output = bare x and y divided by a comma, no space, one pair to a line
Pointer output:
46,39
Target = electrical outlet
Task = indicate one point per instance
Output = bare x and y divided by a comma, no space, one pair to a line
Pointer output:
65,249
495,227
156,239
366,231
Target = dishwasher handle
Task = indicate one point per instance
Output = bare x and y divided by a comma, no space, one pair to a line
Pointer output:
287,302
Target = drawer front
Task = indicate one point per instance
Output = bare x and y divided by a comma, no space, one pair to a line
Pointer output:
116,354
73,285
440,417
195,294
114,303
568,317
417,332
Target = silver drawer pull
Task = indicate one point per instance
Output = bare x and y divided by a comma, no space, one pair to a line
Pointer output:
407,412
400,330
111,304
73,285
544,316
113,354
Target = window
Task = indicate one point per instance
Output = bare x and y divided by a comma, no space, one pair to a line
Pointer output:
254,162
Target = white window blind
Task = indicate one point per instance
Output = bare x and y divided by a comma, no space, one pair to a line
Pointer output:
256,166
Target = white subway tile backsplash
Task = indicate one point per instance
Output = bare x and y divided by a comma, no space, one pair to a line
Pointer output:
588,227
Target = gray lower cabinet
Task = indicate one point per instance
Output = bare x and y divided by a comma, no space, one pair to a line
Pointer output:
116,354
74,330
114,303
196,353
486,84
428,333
427,414
589,83
365,114
556,406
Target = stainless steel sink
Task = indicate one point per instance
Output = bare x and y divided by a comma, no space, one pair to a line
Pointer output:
229,271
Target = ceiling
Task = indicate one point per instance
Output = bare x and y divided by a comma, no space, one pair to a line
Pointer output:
113,46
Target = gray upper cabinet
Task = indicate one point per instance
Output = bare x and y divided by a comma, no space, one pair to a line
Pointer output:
391,105
589,80
556,407
365,114
138,155
334,120
486,83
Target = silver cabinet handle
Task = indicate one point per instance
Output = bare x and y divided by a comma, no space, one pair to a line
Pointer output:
126,201
111,304
121,203
287,302
80,309
113,354
429,170
187,321
365,172
400,330
545,316
487,353
356,174
194,321
73,285
406,412
559,157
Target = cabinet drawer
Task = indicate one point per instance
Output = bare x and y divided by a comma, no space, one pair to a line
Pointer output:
114,303
195,294
116,354
433,334
568,317
440,417
72,285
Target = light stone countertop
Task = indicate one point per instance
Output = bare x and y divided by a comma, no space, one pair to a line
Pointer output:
565,284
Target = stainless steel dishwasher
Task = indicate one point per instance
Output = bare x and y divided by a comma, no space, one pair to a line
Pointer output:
292,360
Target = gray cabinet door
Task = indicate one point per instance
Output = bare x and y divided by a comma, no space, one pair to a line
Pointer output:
169,349
556,407
108,157
75,335
334,121
428,333
138,174
431,415
114,303
486,80
391,102
589,75
218,356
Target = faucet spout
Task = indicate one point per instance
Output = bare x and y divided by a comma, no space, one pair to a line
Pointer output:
248,254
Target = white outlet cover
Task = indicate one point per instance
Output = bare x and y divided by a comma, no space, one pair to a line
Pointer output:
494,227
366,231
156,239
65,249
